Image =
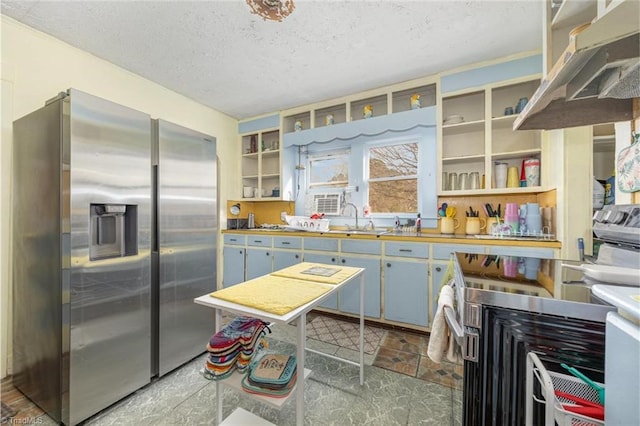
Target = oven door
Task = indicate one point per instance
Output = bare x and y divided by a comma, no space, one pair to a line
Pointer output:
494,390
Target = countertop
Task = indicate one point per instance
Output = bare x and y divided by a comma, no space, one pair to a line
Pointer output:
411,237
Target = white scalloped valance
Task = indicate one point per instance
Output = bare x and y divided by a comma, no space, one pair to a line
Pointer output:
397,123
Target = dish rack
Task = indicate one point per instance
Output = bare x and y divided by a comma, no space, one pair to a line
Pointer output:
549,382
303,223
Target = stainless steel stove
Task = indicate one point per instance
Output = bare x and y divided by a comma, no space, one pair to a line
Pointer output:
618,226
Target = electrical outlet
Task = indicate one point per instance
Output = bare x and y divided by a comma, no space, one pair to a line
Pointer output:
282,216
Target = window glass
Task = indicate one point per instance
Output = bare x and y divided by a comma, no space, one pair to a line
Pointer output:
393,178
329,170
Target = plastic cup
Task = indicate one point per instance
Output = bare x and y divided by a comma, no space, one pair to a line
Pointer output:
513,180
510,265
531,266
534,224
463,181
453,181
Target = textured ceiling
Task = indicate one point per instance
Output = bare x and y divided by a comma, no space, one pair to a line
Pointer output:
221,55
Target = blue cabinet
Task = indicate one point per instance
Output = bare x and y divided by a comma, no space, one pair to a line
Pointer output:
283,259
406,296
233,262
321,244
235,240
291,253
438,271
258,262
350,294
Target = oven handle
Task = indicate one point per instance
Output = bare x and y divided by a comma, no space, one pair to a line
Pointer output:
468,339
456,329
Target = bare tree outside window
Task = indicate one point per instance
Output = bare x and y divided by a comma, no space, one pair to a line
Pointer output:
393,178
330,171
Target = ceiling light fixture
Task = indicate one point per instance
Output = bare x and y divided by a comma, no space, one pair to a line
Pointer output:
273,10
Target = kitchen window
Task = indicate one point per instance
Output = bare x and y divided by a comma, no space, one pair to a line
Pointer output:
392,178
329,170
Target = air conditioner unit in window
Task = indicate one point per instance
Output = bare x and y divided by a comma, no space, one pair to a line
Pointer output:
329,204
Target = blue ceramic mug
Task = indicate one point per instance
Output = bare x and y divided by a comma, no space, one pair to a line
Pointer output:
521,104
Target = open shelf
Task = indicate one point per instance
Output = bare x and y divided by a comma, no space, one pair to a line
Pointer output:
324,115
378,103
401,100
260,165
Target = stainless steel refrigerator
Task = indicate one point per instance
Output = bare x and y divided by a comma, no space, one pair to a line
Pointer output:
89,327
184,243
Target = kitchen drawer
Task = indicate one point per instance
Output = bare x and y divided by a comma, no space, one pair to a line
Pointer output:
287,242
259,241
419,250
361,246
235,240
322,244
443,251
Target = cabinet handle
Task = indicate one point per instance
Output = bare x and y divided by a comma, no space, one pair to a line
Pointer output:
333,259
388,265
343,261
267,253
406,250
285,243
232,239
240,252
438,269
257,241
297,256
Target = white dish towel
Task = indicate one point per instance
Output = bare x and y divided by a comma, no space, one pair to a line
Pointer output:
441,339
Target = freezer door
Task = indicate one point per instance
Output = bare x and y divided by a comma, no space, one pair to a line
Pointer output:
108,158
187,227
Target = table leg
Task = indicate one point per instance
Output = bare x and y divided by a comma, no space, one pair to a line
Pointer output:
361,329
217,325
301,343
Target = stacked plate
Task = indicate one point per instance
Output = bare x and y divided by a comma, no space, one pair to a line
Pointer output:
453,119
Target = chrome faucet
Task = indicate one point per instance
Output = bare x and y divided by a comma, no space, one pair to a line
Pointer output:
356,209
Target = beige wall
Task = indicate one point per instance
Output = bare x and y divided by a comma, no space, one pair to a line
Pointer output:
35,67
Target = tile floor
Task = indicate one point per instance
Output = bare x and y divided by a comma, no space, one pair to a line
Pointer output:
402,387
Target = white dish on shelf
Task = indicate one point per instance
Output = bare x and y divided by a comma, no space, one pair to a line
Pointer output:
453,119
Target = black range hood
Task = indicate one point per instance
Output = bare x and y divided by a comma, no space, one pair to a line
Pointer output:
595,79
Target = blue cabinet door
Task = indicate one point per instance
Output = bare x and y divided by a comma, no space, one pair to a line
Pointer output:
233,264
327,259
283,259
259,262
350,294
438,271
406,296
